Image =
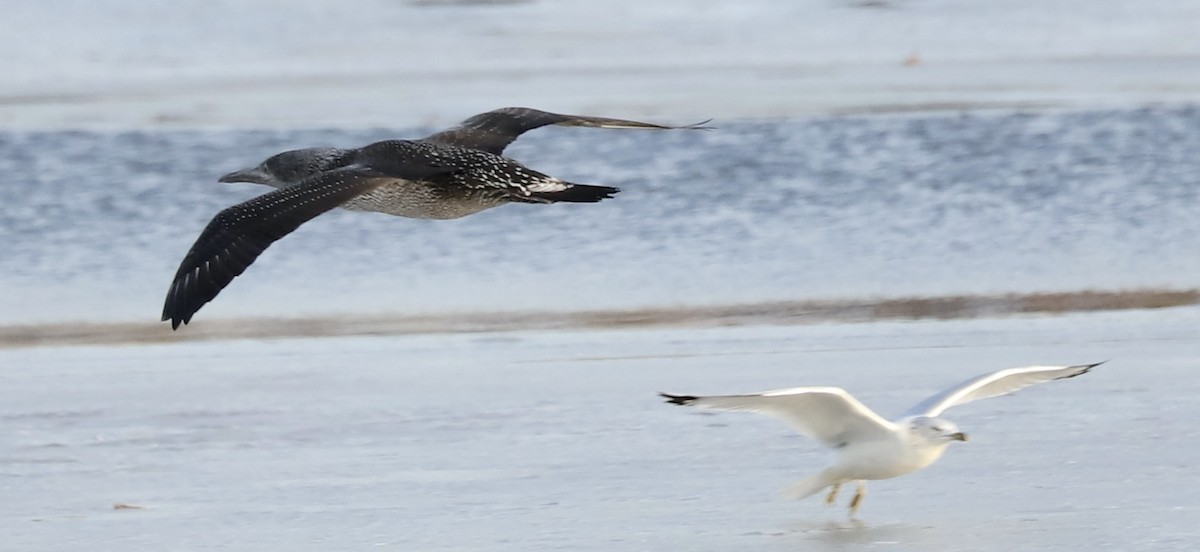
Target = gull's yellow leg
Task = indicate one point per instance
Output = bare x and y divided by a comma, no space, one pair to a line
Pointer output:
860,492
833,492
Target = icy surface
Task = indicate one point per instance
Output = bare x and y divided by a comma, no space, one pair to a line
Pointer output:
74,63
849,207
556,441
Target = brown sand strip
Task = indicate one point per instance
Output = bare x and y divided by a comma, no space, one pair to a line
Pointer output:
779,312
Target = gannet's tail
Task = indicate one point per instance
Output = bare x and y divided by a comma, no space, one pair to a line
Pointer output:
577,193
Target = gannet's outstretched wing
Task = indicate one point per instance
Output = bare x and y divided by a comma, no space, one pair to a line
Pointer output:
239,234
495,130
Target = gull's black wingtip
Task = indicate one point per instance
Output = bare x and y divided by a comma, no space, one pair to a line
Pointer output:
1083,369
682,400
702,125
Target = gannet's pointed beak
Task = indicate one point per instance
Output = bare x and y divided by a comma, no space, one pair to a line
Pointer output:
255,175
960,436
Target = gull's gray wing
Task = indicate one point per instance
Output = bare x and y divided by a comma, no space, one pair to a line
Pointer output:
827,414
994,385
238,235
495,130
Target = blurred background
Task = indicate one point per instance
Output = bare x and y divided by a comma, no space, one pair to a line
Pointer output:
400,63
865,151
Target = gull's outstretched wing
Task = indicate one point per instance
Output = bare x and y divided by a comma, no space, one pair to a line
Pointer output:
495,130
239,234
994,385
827,414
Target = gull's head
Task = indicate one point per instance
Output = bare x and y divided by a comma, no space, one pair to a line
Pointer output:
290,166
937,430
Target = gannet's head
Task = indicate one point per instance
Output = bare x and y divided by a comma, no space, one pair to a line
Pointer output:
290,167
936,430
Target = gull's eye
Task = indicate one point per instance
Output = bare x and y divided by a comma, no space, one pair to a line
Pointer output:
936,428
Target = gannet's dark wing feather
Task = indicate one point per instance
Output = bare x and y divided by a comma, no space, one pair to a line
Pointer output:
238,235
495,130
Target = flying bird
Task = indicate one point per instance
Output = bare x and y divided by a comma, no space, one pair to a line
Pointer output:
450,174
867,446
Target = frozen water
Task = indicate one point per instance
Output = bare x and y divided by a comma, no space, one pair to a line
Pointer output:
556,441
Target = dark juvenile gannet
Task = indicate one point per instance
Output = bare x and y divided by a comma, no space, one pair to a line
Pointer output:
450,174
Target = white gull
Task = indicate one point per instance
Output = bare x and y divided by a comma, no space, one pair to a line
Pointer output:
866,445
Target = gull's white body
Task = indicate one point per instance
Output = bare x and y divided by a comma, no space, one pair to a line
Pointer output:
867,446
861,460
900,452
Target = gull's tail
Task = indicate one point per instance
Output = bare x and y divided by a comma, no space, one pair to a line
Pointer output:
808,487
